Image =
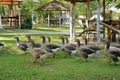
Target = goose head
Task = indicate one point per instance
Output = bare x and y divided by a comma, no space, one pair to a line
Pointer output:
28,36
17,38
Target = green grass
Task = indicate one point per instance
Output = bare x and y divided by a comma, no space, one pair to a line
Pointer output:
47,29
51,29
17,66
11,31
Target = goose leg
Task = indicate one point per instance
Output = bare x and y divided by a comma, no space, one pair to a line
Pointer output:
115,63
54,55
25,52
41,61
34,60
109,60
80,58
66,55
70,55
86,60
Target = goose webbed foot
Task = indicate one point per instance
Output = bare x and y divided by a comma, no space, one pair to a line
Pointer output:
115,63
80,58
65,55
34,60
86,60
41,61
25,52
109,60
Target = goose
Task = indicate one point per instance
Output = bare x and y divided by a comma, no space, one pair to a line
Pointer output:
83,50
37,45
38,53
93,47
51,47
21,45
68,48
112,52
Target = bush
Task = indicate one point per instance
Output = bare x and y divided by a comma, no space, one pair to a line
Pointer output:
27,23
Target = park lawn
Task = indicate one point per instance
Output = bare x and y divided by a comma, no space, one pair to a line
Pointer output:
14,65
20,67
47,29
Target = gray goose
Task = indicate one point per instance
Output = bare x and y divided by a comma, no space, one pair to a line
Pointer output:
51,47
38,53
67,48
112,52
21,45
93,47
84,51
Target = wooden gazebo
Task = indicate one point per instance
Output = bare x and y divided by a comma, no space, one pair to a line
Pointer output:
10,2
55,6
11,18
107,24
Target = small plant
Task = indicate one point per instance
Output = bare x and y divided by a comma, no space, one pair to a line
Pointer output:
27,23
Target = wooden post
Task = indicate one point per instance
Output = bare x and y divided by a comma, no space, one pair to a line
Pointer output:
19,17
98,23
0,23
48,18
72,12
119,29
32,17
88,9
108,30
103,18
59,18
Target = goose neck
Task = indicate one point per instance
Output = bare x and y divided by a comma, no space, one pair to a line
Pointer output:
43,40
63,42
67,41
49,39
17,39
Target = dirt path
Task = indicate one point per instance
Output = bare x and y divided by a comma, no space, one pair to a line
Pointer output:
34,32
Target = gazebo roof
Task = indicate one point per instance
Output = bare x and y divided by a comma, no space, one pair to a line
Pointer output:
53,6
73,1
7,2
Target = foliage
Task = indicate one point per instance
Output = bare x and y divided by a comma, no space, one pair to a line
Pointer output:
27,10
27,23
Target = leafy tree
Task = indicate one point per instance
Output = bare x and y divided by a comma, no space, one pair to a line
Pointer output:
27,10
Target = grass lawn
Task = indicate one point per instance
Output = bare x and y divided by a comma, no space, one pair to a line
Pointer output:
17,66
